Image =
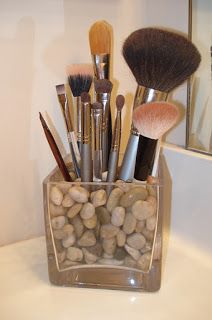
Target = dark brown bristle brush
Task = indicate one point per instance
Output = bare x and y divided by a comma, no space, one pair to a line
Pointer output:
55,150
151,120
114,152
103,88
80,78
160,61
100,35
62,97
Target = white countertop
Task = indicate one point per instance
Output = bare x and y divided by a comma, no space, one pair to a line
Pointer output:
26,294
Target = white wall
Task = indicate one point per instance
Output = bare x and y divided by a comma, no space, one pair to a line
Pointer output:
37,40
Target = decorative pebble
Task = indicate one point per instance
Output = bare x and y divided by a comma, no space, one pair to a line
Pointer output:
151,190
61,256
110,262
144,261
74,254
120,254
134,253
56,211
87,211
99,198
129,223
149,235
121,238
124,186
69,241
67,201
140,225
103,215
90,258
136,241
78,226
142,209
134,194
146,248
97,229
79,194
113,199
87,240
74,210
56,195
130,262
151,223
108,231
109,245
96,249
63,233
107,256
58,222
69,263
118,215
90,223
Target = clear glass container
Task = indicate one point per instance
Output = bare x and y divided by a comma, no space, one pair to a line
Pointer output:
103,235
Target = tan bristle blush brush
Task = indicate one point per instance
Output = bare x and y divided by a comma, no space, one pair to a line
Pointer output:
152,120
100,38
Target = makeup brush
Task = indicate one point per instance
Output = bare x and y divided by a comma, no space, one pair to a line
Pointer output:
62,97
103,88
114,152
100,35
79,79
86,157
152,120
55,150
96,111
160,61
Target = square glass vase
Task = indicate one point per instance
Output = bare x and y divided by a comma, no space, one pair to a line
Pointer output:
103,235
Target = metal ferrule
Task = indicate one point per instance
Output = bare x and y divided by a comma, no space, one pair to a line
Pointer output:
79,122
117,132
104,99
86,122
101,64
97,128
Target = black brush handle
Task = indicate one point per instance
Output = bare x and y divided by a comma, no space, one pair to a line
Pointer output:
144,158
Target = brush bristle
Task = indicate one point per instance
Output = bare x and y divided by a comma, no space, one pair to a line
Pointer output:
85,97
103,86
60,88
160,59
152,120
97,105
81,68
100,37
120,100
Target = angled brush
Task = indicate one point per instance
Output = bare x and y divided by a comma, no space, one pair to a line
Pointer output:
114,152
62,97
100,35
160,61
55,150
80,77
103,88
152,120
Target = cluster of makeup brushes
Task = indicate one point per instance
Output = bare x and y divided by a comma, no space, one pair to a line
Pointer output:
160,61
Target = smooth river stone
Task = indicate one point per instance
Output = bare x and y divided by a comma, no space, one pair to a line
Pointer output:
74,210
149,235
87,211
120,254
96,249
63,233
79,194
67,201
144,261
99,198
109,245
56,195
151,223
129,223
103,215
74,254
129,262
88,239
56,211
136,241
151,190
90,258
140,225
117,216
58,222
69,241
113,262
114,198
134,253
121,238
108,231
78,226
61,256
134,194
124,186
142,209
90,223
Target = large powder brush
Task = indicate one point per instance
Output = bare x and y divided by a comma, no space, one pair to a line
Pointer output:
152,120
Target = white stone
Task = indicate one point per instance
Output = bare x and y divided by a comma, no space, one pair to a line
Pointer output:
79,194
87,211
118,215
74,254
56,195
58,222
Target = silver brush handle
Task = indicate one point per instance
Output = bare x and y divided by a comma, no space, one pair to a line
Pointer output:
101,64
128,163
86,163
112,166
72,138
104,150
97,165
